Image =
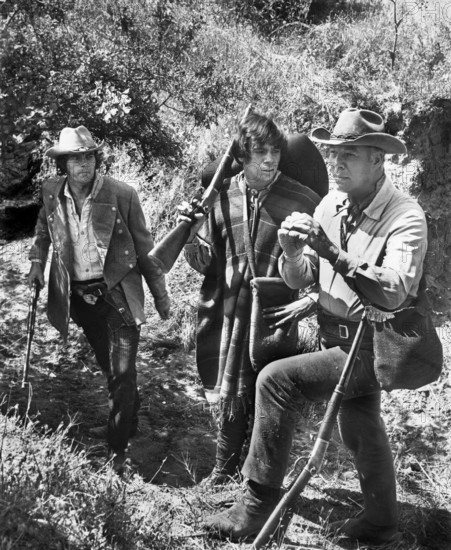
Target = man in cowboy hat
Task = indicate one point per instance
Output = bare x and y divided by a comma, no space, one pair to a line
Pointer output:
237,242
100,253
367,239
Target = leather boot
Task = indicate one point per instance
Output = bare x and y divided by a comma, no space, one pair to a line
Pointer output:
219,476
101,432
378,524
244,519
230,440
118,461
363,432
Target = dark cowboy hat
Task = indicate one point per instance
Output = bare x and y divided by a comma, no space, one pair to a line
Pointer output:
360,127
73,141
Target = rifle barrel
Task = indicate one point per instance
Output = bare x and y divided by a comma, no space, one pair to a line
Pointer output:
169,248
31,319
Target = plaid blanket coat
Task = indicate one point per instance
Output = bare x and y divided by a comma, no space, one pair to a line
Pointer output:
225,297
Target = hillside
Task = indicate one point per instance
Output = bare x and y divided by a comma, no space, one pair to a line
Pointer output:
163,82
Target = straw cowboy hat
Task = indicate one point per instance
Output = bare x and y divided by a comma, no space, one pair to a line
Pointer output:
73,141
360,127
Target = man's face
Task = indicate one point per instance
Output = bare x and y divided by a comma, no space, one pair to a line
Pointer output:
81,168
354,168
262,165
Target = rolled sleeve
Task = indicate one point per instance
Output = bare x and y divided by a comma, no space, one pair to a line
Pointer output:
299,271
390,283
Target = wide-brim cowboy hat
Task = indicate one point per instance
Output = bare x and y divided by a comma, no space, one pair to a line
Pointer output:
73,141
360,127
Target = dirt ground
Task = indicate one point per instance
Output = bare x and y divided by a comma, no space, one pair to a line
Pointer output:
176,438
176,444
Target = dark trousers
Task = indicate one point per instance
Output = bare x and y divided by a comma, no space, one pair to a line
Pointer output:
283,384
115,345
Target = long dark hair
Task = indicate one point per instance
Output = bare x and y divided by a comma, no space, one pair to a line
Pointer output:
260,129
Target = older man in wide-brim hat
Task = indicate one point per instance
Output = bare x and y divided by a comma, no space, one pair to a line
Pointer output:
100,252
365,239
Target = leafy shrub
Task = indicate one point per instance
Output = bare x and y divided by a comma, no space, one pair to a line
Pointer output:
112,66
265,16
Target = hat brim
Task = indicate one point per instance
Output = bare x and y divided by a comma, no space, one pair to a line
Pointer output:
57,151
389,144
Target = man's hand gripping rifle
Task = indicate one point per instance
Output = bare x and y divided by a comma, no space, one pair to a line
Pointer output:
168,249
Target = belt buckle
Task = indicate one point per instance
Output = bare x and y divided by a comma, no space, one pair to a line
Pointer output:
343,331
90,299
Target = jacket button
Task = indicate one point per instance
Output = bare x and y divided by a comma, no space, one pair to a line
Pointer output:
130,266
113,208
126,252
120,231
50,196
118,221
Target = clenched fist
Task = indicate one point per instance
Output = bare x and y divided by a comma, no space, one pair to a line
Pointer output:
300,229
291,238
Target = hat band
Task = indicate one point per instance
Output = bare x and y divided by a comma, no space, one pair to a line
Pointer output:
346,136
82,149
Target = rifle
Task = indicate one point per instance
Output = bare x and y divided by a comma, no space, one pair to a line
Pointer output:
281,515
168,249
32,306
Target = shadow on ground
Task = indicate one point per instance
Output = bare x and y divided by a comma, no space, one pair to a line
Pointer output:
419,526
176,440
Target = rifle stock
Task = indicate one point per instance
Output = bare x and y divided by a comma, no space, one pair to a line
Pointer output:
166,251
32,306
281,516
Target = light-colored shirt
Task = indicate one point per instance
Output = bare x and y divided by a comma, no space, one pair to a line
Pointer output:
88,258
384,256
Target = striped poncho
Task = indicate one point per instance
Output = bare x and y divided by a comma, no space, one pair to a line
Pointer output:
225,298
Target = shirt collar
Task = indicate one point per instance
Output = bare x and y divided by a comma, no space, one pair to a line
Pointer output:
263,192
376,207
98,183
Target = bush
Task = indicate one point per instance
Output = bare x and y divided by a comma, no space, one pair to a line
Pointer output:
265,16
112,66
52,497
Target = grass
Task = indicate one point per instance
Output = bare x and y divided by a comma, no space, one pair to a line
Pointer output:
54,492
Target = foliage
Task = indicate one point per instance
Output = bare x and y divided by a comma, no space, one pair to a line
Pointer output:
164,77
266,16
160,68
111,66
51,497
